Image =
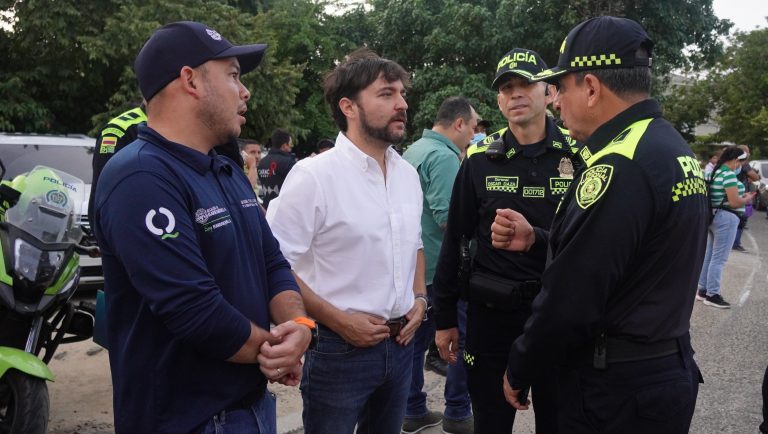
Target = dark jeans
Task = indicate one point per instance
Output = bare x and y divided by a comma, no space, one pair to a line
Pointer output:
261,418
457,403
345,385
490,334
648,396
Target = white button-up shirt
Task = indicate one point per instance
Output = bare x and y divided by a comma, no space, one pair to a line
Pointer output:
349,233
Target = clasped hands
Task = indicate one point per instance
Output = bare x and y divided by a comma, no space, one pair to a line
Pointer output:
280,355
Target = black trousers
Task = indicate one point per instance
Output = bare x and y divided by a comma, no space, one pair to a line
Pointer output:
490,334
648,396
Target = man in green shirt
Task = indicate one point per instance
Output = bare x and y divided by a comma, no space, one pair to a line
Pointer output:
436,158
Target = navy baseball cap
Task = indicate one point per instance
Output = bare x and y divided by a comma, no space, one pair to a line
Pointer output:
601,43
186,43
520,62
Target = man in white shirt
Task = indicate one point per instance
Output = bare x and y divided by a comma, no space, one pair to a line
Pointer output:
348,221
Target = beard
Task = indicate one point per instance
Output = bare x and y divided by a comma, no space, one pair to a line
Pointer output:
217,119
383,134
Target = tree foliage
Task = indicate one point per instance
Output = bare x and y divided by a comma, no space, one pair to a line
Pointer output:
69,63
733,93
741,90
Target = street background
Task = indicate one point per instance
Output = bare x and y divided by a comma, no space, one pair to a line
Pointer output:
731,350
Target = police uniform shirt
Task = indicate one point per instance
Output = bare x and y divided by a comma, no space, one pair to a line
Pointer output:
118,133
530,184
189,264
626,244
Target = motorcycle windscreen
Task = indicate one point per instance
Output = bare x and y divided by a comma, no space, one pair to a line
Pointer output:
49,206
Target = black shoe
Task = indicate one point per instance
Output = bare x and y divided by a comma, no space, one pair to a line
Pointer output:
740,249
436,365
717,301
412,425
701,294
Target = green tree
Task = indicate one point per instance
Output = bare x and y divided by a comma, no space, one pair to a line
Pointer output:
688,105
130,26
471,36
47,80
740,87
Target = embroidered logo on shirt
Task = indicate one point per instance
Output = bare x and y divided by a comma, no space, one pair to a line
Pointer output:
594,182
506,184
212,218
163,233
203,214
248,203
559,185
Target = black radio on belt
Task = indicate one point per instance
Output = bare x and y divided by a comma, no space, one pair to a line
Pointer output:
495,150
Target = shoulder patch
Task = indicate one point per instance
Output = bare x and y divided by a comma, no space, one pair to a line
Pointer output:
593,184
107,145
475,149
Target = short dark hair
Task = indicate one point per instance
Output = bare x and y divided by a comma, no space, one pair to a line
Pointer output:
624,82
361,68
245,142
279,138
452,108
325,144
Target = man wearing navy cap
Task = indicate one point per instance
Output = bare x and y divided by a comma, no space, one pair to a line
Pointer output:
188,329
525,166
625,248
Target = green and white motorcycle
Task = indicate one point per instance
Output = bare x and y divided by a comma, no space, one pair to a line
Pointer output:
39,272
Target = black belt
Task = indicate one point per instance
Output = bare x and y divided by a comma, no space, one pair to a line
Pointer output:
247,401
612,350
395,325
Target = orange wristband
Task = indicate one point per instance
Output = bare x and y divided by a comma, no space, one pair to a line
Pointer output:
305,322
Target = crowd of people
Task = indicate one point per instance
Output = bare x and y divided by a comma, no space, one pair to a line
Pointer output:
517,252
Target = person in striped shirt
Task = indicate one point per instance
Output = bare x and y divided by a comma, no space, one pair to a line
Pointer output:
727,198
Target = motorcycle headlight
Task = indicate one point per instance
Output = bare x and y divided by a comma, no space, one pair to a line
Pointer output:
34,264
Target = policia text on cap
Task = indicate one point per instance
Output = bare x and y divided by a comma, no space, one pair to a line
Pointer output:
617,293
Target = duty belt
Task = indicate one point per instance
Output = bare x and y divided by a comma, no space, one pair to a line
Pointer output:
611,350
500,293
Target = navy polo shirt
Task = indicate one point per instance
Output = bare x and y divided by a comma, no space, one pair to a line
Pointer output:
189,262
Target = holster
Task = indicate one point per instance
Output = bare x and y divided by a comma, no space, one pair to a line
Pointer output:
501,293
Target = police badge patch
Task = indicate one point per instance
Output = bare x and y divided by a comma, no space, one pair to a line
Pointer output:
594,182
565,168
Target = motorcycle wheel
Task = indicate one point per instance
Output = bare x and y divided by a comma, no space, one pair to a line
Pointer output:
24,404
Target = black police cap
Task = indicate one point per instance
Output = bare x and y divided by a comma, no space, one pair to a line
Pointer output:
601,43
186,43
520,62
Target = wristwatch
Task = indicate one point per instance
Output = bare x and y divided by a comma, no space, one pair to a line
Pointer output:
311,325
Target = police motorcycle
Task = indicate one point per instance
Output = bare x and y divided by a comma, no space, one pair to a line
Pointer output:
39,271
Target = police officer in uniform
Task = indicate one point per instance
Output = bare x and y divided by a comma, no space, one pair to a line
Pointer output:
625,248
116,135
526,166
